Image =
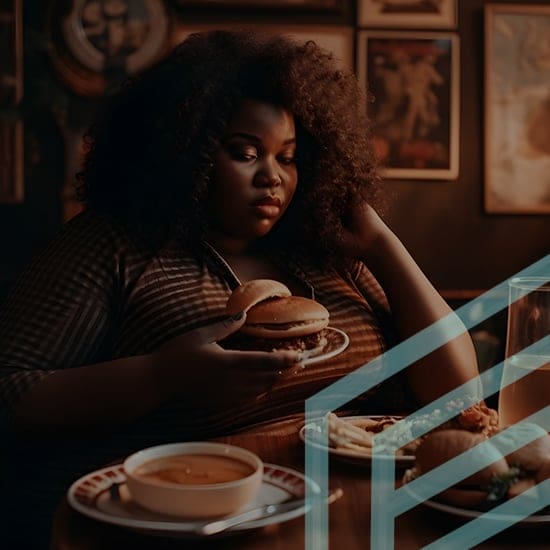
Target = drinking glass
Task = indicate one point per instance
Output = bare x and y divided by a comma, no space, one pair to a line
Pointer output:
525,387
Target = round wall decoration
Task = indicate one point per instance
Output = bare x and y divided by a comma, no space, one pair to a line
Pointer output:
97,43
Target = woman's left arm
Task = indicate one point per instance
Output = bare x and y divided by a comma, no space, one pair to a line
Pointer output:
414,302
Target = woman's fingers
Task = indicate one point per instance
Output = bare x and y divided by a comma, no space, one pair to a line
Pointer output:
263,370
213,332
267,361
202,363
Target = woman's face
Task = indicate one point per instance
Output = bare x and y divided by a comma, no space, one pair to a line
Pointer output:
255,173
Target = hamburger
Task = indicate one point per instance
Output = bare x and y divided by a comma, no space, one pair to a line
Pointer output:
533,456
276,320
443,445
503,478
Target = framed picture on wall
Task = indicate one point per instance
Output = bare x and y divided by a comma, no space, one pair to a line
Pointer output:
337,39
517,109
11,162
413,79
330,5
11,93
96,45
436,14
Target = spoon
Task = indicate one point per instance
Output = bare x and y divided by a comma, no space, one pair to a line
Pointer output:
268,510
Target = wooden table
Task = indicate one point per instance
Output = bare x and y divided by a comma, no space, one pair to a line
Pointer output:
349,517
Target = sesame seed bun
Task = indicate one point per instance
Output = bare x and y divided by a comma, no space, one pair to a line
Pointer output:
253,292
443,445
543,472
504,477
275,319
532,456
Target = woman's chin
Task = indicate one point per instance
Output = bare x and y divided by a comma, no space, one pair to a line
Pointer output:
262,228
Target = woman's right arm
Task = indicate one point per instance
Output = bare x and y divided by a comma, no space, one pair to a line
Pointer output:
110,394
91,397
57,332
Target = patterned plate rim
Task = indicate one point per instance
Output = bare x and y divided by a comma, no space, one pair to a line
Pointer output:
83,493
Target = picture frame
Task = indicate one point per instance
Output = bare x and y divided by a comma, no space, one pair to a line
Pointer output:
425,14
11,162
517,109
95,46
12,185
337,39
413,80
309,5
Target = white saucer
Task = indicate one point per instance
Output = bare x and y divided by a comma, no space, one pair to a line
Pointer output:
90,495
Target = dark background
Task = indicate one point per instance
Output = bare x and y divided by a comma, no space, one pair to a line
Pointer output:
460,247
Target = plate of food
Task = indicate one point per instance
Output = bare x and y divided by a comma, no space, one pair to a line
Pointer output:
507,476
276,320
351,437
542,518
104,496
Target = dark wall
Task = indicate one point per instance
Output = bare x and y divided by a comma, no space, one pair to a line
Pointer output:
51,112
442,222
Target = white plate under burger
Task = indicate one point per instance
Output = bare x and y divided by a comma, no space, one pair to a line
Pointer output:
532,520
337,342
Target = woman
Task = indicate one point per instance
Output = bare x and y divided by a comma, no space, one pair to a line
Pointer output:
236,158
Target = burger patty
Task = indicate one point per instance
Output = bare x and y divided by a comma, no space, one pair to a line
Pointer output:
283,326
297,343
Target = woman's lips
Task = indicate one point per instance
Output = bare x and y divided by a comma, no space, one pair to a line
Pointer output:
268,207
268,201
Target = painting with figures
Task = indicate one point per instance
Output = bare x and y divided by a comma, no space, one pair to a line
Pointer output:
517,109
414,82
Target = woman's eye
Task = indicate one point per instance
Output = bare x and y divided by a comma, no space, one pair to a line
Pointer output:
288,160
244,154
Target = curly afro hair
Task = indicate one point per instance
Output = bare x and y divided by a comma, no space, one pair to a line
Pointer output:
150,154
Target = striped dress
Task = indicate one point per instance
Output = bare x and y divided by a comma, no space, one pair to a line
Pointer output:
95,294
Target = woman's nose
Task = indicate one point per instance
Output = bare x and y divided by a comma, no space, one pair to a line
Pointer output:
268,176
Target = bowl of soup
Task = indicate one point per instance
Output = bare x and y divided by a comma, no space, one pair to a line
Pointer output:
195,480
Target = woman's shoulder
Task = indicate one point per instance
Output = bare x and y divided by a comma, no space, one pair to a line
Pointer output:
93,225
87,243
93,234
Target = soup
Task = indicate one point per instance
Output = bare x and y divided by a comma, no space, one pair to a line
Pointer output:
194,469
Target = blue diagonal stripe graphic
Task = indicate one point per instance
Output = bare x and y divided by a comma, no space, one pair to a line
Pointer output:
374,373
500,518
393,503
462,466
